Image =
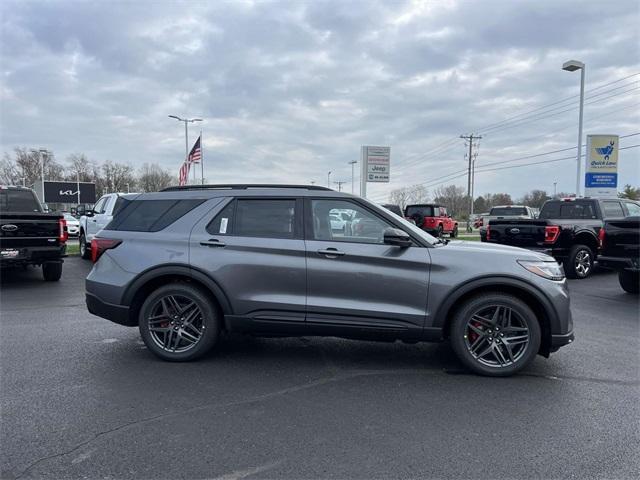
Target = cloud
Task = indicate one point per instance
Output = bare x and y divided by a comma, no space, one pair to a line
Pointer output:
290,90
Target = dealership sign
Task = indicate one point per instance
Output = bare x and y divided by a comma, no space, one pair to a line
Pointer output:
67,192
601,172
375,163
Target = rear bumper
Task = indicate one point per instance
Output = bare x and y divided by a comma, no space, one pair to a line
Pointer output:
116,313
32,255
620,263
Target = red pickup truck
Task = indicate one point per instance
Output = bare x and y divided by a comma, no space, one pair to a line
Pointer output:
432,219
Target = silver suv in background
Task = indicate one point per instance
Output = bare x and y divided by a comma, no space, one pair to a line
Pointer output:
186,264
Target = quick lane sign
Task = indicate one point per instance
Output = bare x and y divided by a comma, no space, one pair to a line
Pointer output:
601,169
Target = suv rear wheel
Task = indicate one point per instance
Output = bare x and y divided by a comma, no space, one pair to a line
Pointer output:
179,323
495,334
579,263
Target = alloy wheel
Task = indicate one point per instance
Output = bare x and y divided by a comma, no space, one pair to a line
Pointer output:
583,263
496,336
176,323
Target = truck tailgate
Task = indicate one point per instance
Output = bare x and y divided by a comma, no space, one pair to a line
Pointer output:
519,233
18,230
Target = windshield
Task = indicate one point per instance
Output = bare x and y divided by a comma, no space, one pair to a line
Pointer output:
70,218
508,211
425,211
19,201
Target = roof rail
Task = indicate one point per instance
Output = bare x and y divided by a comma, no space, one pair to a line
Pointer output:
241,186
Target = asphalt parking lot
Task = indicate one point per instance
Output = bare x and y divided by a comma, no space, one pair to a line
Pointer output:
83,398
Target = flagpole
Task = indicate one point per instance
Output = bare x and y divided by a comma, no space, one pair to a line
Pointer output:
201,159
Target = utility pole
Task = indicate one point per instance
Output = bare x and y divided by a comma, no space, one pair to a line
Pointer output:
470,139
352,163
339,185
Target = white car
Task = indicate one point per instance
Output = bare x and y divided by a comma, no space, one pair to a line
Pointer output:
73,225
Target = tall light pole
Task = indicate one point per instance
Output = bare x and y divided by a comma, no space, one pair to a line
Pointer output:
572,66
186,136
352,163
41,154
554,189
329,179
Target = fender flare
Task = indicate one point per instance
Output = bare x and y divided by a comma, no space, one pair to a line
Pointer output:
440,317
182,270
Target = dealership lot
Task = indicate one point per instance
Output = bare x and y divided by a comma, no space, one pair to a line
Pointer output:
82,397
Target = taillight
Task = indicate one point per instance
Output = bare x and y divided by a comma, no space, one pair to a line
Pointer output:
100,245
551,233
488,232
601,237
63,234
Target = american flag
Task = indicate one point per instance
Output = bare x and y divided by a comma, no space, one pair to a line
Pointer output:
195,156
196,153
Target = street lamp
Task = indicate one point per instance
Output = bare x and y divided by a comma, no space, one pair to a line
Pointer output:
329,179
41,154
572,66
352,163
186,135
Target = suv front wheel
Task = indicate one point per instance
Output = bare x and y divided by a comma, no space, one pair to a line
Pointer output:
495,334
179,323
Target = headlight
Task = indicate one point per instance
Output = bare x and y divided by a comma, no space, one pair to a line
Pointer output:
548,270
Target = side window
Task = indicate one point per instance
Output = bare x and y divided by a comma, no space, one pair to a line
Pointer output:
99,206
612,209
265,218
362,226
443,212
151,215
633,209
222,223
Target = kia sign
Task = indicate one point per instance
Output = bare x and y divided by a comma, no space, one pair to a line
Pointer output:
601,172
67,192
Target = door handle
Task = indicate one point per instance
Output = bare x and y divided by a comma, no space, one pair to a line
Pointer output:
331,252
213,243
94,220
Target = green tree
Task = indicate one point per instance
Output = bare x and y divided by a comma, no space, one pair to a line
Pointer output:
630,192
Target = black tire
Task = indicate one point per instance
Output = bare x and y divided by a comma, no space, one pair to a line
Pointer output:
520,315
579,263
454,233
208,323
439,231
85,250
629,281
52,271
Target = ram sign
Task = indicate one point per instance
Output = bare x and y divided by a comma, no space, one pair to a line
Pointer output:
67,192
601,172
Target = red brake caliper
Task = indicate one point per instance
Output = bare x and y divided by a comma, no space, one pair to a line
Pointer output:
472,334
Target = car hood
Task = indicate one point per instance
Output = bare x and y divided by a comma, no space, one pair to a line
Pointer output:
482,247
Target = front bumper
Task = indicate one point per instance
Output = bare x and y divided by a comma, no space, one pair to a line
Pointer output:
116,313
558,341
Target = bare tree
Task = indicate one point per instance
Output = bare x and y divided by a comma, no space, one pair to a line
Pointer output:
407,195
9,172
454,198
153,178
535,198
25,165
117,177
81,166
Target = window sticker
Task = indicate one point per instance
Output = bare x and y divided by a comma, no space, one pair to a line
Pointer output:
223,225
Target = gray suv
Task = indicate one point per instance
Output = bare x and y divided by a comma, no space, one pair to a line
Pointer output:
188,264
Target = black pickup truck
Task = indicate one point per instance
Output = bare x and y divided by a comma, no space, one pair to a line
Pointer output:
28,235
566,229
620,250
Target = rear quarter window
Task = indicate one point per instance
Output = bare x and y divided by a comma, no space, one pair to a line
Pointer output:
150,215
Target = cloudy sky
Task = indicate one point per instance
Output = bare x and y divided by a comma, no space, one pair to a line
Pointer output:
290,90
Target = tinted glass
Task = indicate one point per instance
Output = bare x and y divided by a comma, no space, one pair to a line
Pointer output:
363,226
417,210
575,210
99,207
151,215
612,210
505,212
18,201
265,218
633,209
223,222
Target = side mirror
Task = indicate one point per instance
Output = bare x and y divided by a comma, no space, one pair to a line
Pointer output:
397,237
